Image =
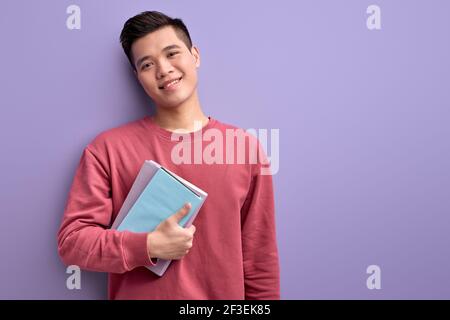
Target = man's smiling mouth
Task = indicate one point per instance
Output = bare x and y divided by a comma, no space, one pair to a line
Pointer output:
170,84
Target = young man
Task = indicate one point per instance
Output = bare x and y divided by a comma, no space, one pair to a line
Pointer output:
231,252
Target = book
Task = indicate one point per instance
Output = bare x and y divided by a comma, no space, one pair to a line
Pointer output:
156,194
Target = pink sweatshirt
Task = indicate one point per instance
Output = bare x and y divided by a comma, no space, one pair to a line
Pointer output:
234,253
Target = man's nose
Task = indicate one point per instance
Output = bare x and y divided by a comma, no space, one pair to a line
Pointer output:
164,68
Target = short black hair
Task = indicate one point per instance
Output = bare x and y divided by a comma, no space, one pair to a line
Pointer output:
149,21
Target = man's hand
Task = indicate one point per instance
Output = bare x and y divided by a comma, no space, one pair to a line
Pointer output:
169,241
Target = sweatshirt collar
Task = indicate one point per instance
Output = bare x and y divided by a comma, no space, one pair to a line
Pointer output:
167,134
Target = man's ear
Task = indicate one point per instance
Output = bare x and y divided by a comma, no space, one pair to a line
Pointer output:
136,74
196,53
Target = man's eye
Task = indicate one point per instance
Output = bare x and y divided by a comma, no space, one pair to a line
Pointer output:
173,53
145,66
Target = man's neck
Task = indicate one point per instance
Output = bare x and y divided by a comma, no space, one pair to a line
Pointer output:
183,117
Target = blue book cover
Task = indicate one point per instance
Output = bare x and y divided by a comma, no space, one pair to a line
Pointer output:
163,196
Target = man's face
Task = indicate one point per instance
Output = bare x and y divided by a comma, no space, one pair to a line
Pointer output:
161,57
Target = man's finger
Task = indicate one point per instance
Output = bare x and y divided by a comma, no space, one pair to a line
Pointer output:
182,212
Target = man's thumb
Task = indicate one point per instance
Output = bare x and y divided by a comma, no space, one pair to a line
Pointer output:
182,212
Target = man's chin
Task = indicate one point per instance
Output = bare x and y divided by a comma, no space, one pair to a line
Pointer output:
170,105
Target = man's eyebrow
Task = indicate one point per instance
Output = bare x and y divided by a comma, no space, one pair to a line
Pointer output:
172,46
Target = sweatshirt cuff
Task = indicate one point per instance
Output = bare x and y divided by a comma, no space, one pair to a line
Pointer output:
135,250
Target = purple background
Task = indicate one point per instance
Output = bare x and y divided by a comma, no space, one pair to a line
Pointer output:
364,132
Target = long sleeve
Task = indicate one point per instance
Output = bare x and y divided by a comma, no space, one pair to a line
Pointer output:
260,251
84,238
